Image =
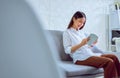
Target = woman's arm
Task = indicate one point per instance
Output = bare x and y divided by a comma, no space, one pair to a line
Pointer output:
83,42
67,43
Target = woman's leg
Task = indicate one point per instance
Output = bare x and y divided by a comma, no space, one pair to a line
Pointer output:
101,62
115,59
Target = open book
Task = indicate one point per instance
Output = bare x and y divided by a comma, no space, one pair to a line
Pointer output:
92,38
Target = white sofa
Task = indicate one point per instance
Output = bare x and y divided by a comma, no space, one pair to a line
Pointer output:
72,70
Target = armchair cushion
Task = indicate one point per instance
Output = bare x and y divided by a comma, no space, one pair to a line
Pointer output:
77,70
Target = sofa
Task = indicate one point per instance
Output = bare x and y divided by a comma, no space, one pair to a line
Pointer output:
71,70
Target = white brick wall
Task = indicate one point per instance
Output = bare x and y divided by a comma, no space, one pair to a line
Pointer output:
56,14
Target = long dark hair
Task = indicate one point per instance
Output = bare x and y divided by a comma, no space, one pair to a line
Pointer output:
77,15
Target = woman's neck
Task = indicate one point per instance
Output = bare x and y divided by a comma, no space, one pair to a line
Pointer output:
74,28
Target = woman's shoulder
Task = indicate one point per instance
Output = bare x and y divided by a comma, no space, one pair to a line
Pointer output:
66,32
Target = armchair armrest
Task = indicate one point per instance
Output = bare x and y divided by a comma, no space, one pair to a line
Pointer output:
95,49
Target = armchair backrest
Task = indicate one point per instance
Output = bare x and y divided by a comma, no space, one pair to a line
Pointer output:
58,41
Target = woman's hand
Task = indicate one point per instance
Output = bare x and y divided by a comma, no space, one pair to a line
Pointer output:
95,42
75,47
84,41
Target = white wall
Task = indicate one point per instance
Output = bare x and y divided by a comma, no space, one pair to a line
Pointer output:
56,14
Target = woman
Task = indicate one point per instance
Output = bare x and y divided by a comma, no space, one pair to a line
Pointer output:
75,44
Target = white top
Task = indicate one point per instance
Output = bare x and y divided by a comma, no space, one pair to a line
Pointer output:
73,37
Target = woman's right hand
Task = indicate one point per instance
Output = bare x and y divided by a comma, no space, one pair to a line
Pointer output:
84,41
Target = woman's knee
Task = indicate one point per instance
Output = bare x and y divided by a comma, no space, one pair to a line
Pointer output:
110,61
112,56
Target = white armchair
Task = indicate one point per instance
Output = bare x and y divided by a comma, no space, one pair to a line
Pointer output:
24,50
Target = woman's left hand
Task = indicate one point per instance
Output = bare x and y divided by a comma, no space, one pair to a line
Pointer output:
95,42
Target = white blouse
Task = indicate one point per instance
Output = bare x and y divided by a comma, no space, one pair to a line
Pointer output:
73,37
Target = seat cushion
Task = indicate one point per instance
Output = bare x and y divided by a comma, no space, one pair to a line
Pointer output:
77,70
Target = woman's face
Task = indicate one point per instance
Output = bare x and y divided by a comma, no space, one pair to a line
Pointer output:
78,23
